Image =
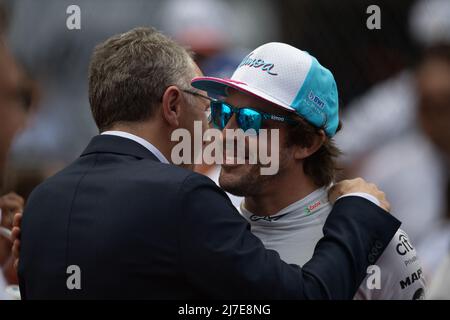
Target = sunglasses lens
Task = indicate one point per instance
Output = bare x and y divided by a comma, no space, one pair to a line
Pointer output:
249,119
220,114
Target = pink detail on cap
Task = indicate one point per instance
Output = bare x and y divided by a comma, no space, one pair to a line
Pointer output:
238,86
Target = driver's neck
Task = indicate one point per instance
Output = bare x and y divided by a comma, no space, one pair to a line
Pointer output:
280,193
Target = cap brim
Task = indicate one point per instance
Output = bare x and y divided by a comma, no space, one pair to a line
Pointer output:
218,86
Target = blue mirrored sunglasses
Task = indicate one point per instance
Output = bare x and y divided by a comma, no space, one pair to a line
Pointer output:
246,117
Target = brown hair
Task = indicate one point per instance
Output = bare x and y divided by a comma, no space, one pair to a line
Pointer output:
129,73
321,166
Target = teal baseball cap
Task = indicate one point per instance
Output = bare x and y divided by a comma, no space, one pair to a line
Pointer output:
287,77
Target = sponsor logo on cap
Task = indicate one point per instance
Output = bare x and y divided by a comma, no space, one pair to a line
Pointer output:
258,63
316,100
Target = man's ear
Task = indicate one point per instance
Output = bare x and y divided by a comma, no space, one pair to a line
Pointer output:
171,106
302,152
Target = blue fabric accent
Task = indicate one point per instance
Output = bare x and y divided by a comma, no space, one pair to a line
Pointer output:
317,100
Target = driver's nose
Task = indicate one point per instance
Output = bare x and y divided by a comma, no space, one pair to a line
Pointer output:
231,125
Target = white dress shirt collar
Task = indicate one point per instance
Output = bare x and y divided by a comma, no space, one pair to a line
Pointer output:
150,147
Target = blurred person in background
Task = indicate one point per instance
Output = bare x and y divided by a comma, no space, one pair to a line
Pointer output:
433,90
57,58
440,286
15,104
433,87
206,27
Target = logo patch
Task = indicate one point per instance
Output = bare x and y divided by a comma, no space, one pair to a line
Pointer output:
411,279
403,246
316,100
309,209
258,63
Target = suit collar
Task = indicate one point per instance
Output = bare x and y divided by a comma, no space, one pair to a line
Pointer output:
141,141
118,145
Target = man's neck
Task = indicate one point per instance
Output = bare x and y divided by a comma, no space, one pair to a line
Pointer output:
142,131
279,194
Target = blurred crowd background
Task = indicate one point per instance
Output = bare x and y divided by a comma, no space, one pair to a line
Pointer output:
394,86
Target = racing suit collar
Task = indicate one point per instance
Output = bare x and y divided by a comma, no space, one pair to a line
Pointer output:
304,207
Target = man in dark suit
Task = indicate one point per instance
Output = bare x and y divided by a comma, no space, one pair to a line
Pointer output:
121,222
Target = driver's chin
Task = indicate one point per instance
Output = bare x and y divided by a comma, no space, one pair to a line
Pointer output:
234,178
237,170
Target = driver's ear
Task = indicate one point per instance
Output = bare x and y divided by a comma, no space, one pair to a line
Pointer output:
172,100
302,152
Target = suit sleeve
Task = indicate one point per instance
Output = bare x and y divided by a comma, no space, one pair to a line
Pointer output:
222,258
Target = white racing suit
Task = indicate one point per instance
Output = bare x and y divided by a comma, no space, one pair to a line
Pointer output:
294,232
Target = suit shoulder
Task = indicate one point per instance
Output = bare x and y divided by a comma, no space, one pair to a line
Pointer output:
172,172
195,183
168,178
